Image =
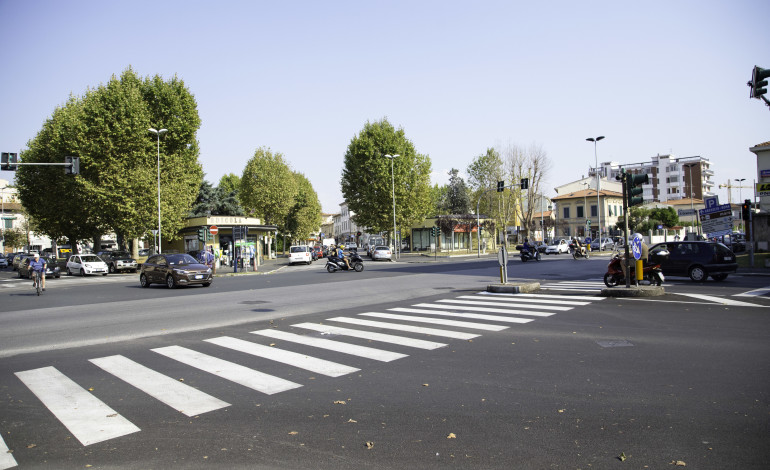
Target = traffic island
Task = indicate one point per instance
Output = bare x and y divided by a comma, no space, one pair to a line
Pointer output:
513,287
633,291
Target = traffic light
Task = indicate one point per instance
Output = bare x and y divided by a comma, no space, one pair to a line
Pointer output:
746,209
8,161
758,82
634,189
434,231
500,186
524,183
202,234
72,165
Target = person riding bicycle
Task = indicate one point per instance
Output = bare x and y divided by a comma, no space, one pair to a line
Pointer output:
37,266
341,255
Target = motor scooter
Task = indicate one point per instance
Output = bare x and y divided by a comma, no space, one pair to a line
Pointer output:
578,253
336,264
651,272
526,255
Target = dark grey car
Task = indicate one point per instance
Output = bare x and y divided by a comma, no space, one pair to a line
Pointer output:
697,259
175,270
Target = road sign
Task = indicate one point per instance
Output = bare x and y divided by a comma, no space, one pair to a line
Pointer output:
636,247
213,230
711,202
763,189
588,240
502,256
717,221
685,212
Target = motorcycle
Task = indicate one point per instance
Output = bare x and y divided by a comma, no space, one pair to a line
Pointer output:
578,253
526,255
336,264
651,272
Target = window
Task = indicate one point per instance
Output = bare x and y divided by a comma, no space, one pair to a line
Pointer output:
580,212
593,211
566,212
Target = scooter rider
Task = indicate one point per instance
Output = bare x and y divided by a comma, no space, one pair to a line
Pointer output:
341,255
578,245
526,247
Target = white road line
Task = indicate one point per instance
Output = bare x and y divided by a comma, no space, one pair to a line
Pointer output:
510,311
408,328
437,321
401,340
754,293
472,316
551,296
331,345
513,299
173,393
89,419
6,458
505,304
313,364
722,300
239,374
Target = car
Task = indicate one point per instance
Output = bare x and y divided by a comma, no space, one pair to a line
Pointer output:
319,251
86,264
558,246
540,246
351,246
118,261
382,252
175,270
607,244
300,254
313,254
18,259
142,256
696,260
3,262
51,269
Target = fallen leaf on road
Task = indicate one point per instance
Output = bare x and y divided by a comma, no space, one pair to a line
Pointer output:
293,433
680,463
451,436
352,421
622,456
340,402
369,444
425,385
91,389
29,446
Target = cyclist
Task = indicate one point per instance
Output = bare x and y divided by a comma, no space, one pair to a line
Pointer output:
37,266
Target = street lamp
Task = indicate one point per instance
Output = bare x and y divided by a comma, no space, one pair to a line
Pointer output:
740,201
158,133
598,187
393,186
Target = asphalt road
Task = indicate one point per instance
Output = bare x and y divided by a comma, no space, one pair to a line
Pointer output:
585,382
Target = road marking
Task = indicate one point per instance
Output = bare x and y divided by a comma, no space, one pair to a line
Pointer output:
401,340
331,345
754,293
437,321
313,364
577,300
488,309
89,419
239,374
6,458
473,316
408,328
516,302
173,393
722,300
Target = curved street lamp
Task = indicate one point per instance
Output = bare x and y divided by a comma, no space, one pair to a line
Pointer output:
158,133
598,188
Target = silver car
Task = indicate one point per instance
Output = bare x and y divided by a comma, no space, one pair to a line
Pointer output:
382,252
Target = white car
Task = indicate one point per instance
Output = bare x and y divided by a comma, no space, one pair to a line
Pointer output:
607,244
86,264
300,254
382,252
561,246
3,262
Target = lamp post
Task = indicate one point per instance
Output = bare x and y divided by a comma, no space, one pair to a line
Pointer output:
393,189
585,203
598,187
740,201
158,133
692,207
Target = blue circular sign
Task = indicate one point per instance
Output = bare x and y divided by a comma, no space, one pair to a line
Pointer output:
636,247
588,239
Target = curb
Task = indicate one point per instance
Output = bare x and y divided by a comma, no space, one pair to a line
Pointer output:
518,288
633,291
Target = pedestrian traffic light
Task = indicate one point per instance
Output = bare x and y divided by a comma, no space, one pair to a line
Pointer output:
8,161
524,183
71,165
758,82
500,186
634,189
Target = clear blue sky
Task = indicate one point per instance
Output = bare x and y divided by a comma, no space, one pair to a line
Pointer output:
303,78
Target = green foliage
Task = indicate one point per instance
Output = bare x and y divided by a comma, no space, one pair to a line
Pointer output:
268,187
305,216
230,183
367,182
437,199
14,237
643,220
456,199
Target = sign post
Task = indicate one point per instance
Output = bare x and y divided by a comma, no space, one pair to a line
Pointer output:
636,246
502,259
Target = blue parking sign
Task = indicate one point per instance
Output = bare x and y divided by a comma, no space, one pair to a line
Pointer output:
636,247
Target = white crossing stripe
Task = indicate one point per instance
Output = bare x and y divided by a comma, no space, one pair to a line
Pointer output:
472,316
6,458
514,298
575,286
505,303
173,393
437,321
722,300
401,340
331,345
409,328
313,364
546,296
488,309
89,419
239,374
754,293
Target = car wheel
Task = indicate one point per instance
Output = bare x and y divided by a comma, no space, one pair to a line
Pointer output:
112,269
170,282
69,272
143,281
18,273
104,274
82,272
206,284
57,276
719,277
698,274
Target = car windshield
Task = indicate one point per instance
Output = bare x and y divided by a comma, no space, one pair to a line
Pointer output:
381,248
181,259
90,259
298,249
118,254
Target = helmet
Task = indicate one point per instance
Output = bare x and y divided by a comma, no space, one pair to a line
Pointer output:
37,255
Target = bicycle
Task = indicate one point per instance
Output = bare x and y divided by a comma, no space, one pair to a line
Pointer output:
36,280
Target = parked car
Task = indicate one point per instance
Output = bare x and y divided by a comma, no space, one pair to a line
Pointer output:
18,259
142,255
300,254
319,251
86,264
51,269
118,261
3,262
351,246
175,270
558,246
696,259
382,252
607,244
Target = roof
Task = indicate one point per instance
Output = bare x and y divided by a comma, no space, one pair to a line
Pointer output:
587,193
682,202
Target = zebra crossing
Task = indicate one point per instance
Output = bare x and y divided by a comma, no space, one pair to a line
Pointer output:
65,280
463,317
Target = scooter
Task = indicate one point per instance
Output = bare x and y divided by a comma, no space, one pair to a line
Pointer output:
651,273
526,255
336,264
578,253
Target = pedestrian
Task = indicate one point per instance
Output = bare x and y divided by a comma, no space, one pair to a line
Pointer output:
210,259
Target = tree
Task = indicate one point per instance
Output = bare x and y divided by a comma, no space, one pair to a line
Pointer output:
532,164
305,216
366,178
228,189
14,237
268,187
207,201
483,174
456,199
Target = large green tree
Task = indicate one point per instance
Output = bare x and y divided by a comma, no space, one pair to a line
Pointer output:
305,215
268,187
366,178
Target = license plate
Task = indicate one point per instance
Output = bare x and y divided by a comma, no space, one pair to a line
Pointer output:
199,276
728,258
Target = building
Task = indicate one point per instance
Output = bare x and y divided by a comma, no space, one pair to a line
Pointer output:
258,239
762,151
578,207
345,229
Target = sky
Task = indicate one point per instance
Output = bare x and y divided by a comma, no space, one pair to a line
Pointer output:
304,77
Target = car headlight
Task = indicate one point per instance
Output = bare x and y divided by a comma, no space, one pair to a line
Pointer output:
181,271
208,271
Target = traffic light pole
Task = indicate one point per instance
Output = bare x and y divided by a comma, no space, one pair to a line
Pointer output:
625,228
